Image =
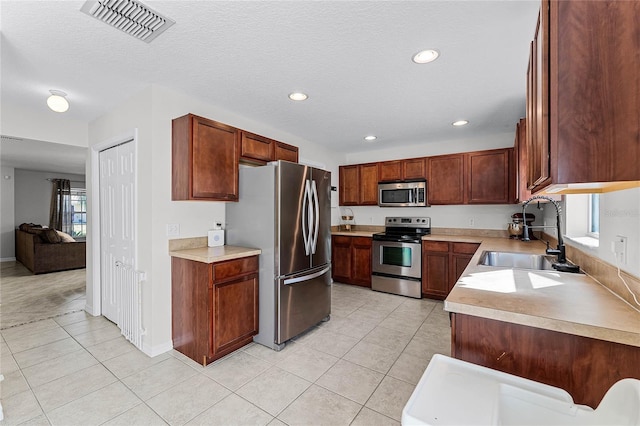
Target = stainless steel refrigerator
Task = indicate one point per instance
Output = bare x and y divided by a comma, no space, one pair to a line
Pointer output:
285,210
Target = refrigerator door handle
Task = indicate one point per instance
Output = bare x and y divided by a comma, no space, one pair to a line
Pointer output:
305,217
289,281
316,216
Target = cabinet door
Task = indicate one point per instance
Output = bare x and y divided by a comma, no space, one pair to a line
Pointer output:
349,185
235,312
368,184
490,177
539,109
214,162
415,168
390,170
521,157
459,263
435,270
446,179
256,147
361,258
286,152
341,258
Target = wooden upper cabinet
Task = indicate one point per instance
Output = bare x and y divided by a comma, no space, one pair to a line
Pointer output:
490,177
260,150
414,168
390,171
446,179
583,103
256,147
368,192
538,100
205,156
521,159
349,185
359,185
286,152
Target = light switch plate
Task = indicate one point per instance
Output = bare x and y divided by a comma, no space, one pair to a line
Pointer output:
173,230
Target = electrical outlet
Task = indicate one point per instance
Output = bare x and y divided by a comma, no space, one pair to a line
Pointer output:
173,229
472,222
620,249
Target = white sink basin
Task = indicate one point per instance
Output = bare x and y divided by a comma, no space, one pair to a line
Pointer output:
454,392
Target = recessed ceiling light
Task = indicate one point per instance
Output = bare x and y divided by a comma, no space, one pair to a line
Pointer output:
298,96
460,123
426,56
370,138
57,101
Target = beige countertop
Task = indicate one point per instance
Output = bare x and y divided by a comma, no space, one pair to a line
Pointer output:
355,233
214,254
569,303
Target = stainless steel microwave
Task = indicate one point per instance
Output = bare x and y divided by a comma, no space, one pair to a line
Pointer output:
403,194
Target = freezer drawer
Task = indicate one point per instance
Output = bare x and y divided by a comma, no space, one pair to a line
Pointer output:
303,300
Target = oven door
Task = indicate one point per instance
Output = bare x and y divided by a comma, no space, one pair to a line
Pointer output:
397,258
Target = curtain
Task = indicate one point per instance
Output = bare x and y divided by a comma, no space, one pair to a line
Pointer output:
60,212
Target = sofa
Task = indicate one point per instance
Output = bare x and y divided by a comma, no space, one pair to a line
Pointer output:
40,252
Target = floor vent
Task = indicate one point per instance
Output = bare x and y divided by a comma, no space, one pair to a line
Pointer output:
130,16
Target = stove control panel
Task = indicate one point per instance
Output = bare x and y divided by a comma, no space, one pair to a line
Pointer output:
413,222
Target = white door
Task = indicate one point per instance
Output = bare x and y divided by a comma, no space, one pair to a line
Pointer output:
117,220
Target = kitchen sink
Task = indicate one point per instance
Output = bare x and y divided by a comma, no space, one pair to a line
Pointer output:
503,259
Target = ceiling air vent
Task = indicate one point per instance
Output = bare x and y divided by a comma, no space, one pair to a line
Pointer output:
130,16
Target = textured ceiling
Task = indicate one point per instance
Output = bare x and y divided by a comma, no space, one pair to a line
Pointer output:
352,58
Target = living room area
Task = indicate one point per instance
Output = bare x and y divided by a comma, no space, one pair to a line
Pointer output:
43,250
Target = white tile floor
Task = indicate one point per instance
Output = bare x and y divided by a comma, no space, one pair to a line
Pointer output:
357,369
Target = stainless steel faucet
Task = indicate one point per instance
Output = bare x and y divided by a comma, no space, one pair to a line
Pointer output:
560,251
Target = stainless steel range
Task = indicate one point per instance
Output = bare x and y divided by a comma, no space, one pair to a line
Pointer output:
397,256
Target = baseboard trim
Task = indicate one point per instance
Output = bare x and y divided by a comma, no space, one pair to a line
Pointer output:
89,309
157,349
7,259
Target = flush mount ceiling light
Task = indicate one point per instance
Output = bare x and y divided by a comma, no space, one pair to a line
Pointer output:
130,16
460,123
426,56
370,138
57,101
298,96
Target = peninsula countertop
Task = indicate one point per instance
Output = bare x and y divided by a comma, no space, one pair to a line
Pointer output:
214,254
565,302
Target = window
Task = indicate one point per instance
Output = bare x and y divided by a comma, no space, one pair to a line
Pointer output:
582,220
594,216
79,213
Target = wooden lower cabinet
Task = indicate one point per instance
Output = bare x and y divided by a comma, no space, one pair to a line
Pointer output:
351,260
442,265
214,306
584,367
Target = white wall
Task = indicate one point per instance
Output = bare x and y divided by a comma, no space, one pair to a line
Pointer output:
151,112
7,222
33,194
428,148
483,217
619,215
42,125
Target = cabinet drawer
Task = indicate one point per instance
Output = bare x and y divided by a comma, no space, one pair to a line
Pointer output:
442,246
341,240
234,268
464,248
